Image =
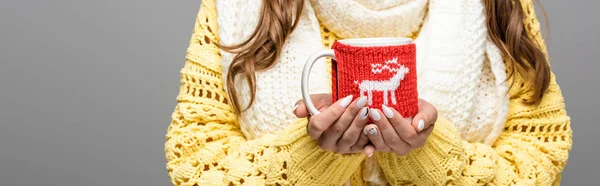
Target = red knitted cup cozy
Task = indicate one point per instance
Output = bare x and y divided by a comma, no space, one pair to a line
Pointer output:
386,75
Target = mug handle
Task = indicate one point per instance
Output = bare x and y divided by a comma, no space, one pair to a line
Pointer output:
305,75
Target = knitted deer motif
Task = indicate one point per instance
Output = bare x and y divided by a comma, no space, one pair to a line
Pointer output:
384,86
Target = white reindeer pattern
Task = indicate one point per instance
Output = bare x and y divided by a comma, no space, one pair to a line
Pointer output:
383,85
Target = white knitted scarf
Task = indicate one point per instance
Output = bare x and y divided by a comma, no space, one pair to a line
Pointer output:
460,70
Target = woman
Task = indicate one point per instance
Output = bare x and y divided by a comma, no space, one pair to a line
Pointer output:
483,64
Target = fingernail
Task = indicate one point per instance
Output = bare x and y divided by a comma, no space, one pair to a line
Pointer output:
364,113
365,130
373,131
369,155
346,101
387,111
362,101
375,115
295,107
421,125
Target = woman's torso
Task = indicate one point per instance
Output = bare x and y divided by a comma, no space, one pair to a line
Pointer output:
278,88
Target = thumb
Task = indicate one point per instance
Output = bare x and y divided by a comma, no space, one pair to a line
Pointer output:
427,116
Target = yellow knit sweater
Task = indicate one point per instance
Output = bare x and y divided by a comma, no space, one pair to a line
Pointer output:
204,144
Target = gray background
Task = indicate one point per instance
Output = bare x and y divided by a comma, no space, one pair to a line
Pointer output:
87,88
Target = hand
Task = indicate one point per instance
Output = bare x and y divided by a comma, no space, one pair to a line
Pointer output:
339,126
393,133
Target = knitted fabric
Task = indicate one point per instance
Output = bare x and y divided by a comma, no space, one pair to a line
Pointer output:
205,144
459,69
278,88
385,74
380,18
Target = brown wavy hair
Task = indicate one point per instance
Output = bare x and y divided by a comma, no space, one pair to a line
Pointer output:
278,18
506,28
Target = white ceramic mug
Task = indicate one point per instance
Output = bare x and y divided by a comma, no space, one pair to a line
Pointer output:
379,59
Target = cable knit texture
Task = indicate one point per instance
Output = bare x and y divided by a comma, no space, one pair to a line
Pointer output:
205,144
385,74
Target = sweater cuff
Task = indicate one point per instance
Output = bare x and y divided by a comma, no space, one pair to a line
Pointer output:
438,162
312,165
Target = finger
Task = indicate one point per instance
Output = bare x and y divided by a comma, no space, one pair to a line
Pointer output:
357,129
319,100
427,116
321,122
361,143
333,134
375,137
356,115
389,134
401,125
369,150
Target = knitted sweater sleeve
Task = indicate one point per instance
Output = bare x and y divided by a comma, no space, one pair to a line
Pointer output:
532,150
204,144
